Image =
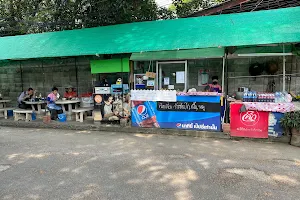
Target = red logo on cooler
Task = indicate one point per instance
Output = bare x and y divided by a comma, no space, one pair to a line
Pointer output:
141,109
249,118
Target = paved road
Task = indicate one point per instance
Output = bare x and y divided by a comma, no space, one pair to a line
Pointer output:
56,164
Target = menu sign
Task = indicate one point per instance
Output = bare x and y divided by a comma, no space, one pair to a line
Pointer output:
188,106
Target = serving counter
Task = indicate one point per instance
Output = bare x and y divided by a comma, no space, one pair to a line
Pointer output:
190,111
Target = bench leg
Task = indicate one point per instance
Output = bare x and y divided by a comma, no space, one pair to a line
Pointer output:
16,115
77,117
81,117
5,114
27,115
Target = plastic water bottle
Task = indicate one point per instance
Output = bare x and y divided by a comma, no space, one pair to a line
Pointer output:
273,98
266,97
254,96
263,97
281,99
245,97
250,96
276,97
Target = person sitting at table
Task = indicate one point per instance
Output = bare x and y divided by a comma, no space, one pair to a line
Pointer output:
214,87
25,96
52,107
70,93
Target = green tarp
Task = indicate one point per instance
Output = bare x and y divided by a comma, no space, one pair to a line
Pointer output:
261,27
110,66
179,55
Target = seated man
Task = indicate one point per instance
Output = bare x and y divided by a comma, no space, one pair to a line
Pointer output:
25,96
53,108
70,93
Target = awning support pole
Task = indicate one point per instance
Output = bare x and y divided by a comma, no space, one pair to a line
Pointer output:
223,74
44,77
283,69
157,76
76,71
186,76
21,71
225,64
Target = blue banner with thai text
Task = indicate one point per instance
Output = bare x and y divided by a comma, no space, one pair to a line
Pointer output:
188,112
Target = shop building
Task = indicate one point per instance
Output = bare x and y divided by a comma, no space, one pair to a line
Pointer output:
181,55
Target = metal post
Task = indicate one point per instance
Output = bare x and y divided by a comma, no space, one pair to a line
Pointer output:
185,75
226,72
43,72
76,71
21,71
160,77
227,86
283,70
122,83
223,74
157,76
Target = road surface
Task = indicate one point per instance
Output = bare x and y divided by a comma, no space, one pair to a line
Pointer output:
57,164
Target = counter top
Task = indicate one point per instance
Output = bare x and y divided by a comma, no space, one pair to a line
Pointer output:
268,106
199,94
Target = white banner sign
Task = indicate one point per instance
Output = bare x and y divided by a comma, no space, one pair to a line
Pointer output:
153,95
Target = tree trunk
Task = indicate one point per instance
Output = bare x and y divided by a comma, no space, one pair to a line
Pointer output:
295,139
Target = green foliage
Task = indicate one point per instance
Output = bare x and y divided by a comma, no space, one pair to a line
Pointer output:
183,8
33,16
291,120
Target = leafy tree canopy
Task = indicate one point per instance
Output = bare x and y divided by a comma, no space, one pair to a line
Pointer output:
34,16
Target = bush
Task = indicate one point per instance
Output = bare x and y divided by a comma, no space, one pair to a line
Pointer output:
291,120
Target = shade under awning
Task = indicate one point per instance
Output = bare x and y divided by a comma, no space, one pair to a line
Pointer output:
110,66
179,55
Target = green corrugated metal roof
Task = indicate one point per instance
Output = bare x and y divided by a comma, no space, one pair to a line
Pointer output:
262,27
264,49
179,55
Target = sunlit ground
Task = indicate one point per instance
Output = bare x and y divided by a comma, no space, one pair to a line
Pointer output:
57,164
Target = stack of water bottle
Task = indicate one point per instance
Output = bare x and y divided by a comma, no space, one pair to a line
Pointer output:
253,96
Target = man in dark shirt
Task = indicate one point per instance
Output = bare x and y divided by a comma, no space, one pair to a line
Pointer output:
25,96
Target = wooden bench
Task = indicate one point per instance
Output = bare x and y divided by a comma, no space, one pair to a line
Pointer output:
3,111
79,113
18,114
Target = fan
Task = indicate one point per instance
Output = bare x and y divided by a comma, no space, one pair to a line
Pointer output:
256,69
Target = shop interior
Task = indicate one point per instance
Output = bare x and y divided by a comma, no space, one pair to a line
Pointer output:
181,76
111,89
